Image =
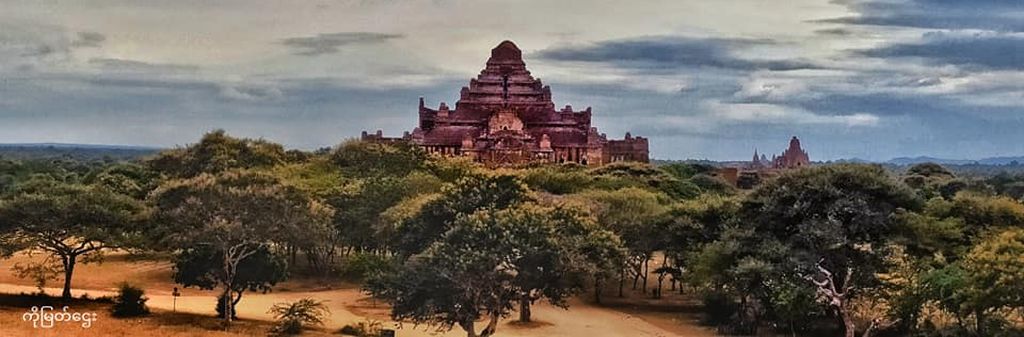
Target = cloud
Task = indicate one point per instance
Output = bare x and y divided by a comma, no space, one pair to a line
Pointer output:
996,15
781,114
331,43
250,92
985,50
89,40
133,66
672,52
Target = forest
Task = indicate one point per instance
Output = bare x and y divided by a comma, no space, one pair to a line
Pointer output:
830,250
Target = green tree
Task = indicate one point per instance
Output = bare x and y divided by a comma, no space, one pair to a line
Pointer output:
464,197
836,223
367,159
71,222
638,217
217,152
995,273
486,263
234,216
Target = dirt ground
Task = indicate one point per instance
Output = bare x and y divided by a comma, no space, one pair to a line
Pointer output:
348,305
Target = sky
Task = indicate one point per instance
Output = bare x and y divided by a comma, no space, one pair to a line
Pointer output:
868,79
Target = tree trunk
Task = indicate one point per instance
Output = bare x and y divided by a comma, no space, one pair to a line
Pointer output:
622,282
69,269
848,324
229,304
470,328
524,309
979,322
598,284
646,271
491,326
657,292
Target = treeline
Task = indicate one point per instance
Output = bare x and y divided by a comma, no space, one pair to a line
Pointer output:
827,250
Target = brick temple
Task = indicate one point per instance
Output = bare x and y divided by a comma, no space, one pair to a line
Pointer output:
793,157
506,117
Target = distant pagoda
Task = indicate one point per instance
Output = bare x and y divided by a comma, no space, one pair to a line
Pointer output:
793,157
506,117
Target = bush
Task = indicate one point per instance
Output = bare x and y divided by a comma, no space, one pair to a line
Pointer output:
129,302
367,328
293,317
719,308
359,266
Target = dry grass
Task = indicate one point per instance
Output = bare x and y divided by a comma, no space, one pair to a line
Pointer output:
159,323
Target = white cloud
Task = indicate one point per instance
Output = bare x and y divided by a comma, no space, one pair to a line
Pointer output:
758,113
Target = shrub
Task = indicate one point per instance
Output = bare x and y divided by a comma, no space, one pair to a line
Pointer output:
719,308
367,328
359,266
293,317
129,302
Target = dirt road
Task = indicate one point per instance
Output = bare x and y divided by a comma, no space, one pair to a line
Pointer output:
348,306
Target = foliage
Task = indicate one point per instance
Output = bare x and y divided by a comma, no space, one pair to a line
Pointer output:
366,159
360,266
486,262
638,175
129,302
39,272
710,184
217,152
367,328
128,179
293,317
831,226
685,171
464,197
200,266
560,179
67,221
230,218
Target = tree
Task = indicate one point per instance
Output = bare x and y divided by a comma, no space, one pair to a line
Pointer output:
368,159
620,175
836,223
71,222
637,216
128,179
994,271
217,152
233,216
486,263
202,266
466,196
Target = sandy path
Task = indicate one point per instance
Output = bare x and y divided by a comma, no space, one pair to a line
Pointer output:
580,321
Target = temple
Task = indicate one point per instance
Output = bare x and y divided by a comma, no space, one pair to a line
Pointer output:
507,117
749,174
793,157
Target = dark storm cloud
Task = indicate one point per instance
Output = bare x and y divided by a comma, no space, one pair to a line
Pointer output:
89,40
672,52
997,15
990,51
332,43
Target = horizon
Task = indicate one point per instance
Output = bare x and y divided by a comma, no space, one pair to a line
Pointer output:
159,148
865,79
